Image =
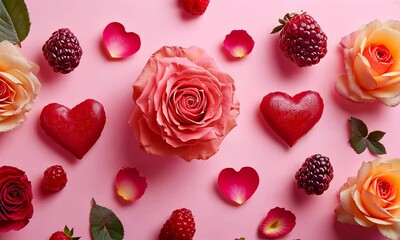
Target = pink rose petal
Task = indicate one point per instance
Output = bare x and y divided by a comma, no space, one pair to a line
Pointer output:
238,43
278,223
130,185
119,43
238,186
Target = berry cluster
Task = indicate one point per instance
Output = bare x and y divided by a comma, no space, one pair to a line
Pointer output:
62,51
180,226
301,39
315,174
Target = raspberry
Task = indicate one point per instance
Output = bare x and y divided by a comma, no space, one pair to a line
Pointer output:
62,51
180,226
301,39
195,7
55,178
315,174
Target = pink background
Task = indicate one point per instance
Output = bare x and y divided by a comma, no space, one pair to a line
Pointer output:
172,182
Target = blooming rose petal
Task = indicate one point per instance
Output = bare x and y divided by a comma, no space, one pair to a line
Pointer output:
238,43
362,72
119,43
390,232
130,185
238,187
279,222
349,205
343,216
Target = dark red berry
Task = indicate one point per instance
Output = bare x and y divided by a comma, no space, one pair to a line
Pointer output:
62,51
315,174
55,178
195,7
180,226
301,39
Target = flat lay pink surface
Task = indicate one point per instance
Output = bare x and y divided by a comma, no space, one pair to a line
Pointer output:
172,182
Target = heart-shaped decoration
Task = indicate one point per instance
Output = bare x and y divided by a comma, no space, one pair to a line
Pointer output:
119,43
292,117
238,187
77,129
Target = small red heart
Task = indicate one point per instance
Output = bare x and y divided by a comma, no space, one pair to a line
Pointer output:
238,187
292,117
119,43
78,129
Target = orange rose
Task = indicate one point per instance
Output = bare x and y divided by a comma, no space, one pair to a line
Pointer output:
372,62
19,86
373,197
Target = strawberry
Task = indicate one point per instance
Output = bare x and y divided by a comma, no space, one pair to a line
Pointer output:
55,178
180,226
67,234
301,39
195,7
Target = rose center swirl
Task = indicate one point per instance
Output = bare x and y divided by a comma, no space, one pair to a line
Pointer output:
379,57
188,105
384,189
5,92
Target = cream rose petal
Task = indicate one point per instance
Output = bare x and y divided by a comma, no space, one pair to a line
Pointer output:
363,73
391,232
355,39
371,203
392,24
350,206
390,95
343,216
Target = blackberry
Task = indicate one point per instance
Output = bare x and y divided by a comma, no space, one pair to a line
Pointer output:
315,174
301,39
62,51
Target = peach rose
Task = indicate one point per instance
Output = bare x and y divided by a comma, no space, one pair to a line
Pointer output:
373,197
372,62
18,86
184,105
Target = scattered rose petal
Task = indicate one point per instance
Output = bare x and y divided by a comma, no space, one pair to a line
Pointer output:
119,43
238,43
278,223
238,186
130,185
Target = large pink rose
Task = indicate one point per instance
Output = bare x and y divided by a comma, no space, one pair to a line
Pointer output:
15,199
373,197
372,61
184,104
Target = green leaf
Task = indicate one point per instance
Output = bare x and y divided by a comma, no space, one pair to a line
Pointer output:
14,21
359,144
375,136
277,29
358,128
104,224
376,147
360,139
